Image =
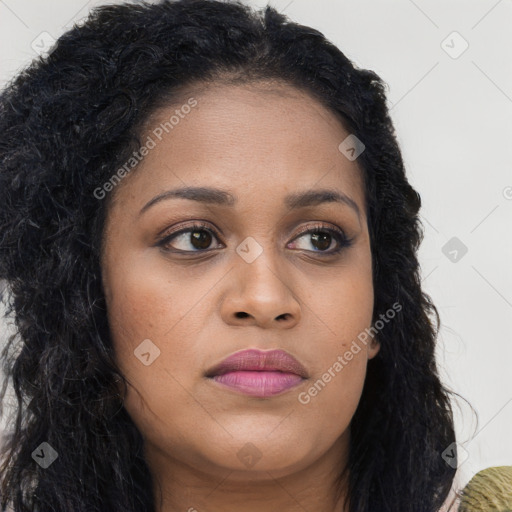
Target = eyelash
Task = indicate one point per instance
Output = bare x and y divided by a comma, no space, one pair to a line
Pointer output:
343,241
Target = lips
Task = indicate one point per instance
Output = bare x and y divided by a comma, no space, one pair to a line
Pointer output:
258,373
257,360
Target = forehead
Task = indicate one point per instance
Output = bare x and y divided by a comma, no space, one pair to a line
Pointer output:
254,139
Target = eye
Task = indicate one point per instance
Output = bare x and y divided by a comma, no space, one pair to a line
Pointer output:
323,238
195,238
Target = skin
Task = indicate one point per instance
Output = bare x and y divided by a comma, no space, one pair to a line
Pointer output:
260,142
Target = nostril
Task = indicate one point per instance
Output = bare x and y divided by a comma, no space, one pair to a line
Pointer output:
241,314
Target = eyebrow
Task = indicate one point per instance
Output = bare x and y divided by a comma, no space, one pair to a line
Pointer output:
220,197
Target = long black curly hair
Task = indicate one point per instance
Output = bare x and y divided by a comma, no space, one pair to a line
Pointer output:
67,122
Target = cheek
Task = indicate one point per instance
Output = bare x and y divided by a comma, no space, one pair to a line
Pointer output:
345,303
345,309
149,299
148,314
332,395
154,326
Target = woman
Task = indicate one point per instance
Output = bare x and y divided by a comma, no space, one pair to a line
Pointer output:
209,243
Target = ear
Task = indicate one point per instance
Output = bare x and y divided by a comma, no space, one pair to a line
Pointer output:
373,347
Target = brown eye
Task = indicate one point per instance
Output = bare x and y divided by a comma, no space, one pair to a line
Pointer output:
200,239
321,238
195,238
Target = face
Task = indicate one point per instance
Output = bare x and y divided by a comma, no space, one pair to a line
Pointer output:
181,299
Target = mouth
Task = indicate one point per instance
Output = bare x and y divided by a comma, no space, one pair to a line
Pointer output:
259,373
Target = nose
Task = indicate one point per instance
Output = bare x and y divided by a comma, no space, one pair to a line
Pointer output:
260,294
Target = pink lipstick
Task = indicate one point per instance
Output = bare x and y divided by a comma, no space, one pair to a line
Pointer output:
259,373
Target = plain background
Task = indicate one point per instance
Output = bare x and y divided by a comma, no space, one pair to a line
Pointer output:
452,109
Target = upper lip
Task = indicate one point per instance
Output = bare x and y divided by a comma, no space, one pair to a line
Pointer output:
259,360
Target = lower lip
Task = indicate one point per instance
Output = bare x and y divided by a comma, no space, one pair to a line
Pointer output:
260,384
